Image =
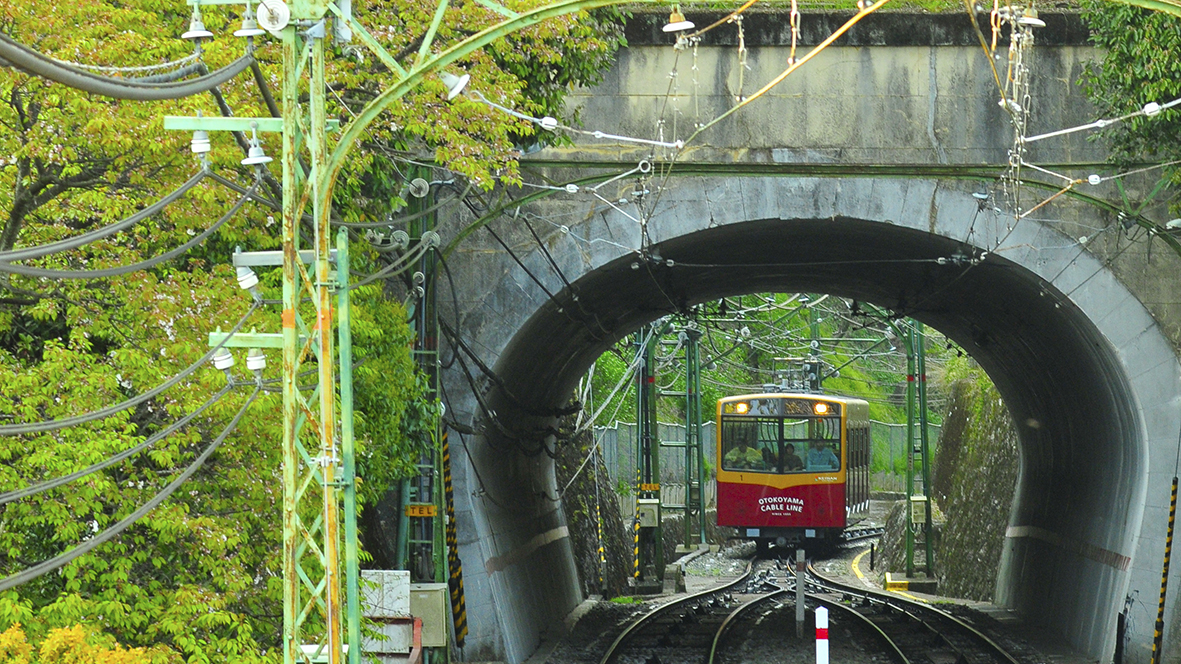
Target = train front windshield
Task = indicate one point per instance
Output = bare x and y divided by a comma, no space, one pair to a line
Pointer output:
781,444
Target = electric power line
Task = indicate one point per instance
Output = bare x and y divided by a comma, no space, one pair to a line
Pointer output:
110,533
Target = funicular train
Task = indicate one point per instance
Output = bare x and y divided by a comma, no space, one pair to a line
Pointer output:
792,468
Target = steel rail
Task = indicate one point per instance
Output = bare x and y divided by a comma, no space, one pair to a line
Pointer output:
899,603
612,653
733,617
895,651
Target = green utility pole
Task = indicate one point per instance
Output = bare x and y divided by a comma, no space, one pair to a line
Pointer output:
813,372
909,340
649,546
421,531
694,445
318,462
917,448
926,450
348,449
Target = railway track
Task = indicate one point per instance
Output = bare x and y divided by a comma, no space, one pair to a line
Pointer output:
681,630
860,534
909,630
751,619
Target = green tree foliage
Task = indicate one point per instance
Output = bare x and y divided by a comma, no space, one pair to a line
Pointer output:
71,645
1139,62
198,578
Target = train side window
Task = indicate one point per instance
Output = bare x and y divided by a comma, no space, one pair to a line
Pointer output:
824,445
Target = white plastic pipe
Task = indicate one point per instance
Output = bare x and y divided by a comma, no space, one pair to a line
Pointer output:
821,635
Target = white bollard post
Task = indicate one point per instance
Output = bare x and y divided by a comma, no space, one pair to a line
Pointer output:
821,635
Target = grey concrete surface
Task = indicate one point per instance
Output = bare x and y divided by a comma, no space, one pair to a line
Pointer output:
1079,337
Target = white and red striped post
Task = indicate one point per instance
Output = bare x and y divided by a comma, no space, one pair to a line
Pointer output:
821,635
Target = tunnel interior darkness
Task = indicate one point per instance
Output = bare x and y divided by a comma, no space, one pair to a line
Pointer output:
1082,453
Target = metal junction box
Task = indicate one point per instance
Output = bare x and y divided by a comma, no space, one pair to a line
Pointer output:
429,602
918,509
648,512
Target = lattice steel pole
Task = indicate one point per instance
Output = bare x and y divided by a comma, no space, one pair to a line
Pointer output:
311,460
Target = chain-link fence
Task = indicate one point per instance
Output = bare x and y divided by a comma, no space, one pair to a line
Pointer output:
888,458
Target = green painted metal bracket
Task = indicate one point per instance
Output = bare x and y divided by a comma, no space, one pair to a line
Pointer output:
248,339
429,38
308,10
193,123
369,41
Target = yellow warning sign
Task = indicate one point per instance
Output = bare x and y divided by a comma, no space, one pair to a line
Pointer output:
421,510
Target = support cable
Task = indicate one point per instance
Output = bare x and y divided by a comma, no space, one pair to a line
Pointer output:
513,254
132,70
407,218
171,76
454,339
99,233
54,425
133,267
399,266
22,57
569,287
41,487
113,531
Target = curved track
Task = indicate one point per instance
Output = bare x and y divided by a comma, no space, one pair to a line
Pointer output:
709,627
660,628
917,630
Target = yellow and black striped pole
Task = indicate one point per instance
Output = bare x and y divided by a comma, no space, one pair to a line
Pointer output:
1164,579
455,582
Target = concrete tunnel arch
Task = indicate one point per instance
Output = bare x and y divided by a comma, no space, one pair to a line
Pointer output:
1088,378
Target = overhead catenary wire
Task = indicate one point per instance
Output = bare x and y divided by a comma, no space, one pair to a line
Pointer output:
138,266
110,533
22,57
54,425
47,485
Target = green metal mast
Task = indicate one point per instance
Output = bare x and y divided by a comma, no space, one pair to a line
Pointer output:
910,395
926,450
650,548
422,495
348,451
694,445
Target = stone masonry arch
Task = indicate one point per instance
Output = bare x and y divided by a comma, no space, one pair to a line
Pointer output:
1084,369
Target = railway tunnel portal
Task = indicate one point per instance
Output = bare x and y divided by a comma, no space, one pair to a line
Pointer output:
1080,337
1088,376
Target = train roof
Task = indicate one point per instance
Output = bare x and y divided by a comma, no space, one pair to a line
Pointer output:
794,395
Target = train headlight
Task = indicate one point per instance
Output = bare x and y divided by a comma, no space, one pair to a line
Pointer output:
820,408
742,408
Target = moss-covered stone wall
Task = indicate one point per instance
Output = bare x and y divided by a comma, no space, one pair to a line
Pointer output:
585,509
974,475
